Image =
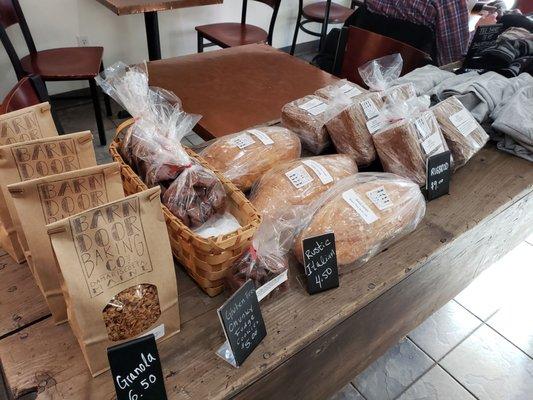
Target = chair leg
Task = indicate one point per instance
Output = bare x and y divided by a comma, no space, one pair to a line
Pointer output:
97,112
295,38
200,43
324,31
57,122
107,100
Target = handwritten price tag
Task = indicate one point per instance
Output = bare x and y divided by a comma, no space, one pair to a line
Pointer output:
136,370
320,263
439,175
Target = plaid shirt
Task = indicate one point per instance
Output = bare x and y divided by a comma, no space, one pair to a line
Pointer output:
447,18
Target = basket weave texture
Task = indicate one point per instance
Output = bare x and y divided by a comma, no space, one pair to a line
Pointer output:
207,260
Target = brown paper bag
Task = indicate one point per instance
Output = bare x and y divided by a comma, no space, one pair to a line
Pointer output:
118,274
42,201
30,123
21,162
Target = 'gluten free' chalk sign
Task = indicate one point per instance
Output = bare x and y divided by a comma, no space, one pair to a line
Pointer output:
320,263
136,370
243,325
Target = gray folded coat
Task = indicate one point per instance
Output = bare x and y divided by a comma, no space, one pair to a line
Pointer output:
425,79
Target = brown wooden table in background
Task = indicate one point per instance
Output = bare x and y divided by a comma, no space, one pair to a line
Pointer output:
150,9
237,88
315,344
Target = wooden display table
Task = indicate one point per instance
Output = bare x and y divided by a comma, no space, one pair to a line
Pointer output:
315,344
236,88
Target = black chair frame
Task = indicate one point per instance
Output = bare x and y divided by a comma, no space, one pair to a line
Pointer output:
300,25
20,72
202,45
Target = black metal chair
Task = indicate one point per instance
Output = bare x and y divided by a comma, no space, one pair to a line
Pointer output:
61,64
231,34
324,12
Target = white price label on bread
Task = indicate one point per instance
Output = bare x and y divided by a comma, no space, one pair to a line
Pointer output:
322,173
464,122
422,127
349,90
380,198
299,177
375,124
359,206
242,141
369,108
432,143
262,136
314,106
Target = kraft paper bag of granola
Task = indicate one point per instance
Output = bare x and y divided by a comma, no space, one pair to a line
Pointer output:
118,274
21,162
42,201
30,123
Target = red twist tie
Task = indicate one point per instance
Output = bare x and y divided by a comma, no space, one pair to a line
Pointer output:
253,253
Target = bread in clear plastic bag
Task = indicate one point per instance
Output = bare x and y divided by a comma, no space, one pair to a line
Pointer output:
347,126
399,93
367,212
266,262
405,145
245,156
299,182
195,196
152,145
344,86
307,118
464,135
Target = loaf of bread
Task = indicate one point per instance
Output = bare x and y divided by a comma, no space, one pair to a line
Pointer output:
299,182
367,212
245,156
307,118
343,87
404,146
464,135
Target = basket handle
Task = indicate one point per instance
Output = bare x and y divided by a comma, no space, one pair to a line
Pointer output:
123,126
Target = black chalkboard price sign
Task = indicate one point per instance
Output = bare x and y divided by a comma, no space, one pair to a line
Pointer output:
242,322
320,263
136,370
439,175
484,37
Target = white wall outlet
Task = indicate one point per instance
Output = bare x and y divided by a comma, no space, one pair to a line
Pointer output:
83,41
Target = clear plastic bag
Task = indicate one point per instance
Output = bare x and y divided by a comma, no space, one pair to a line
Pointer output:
346,125
464,135
298,183
367,212
245,156
343,86
266,261
307,118
152,145
409,135
379,74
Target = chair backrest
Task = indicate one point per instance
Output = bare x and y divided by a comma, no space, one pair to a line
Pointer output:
29,91
274,4
11,14
358,46
526,6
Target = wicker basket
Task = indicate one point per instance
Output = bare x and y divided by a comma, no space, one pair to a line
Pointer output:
206,260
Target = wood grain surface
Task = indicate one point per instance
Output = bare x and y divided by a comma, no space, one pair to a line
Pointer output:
124,7
21,302
489,211
236,88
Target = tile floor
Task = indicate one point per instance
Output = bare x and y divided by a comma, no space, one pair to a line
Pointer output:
478,346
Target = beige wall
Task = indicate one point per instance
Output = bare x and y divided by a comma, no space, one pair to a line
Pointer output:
56,23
